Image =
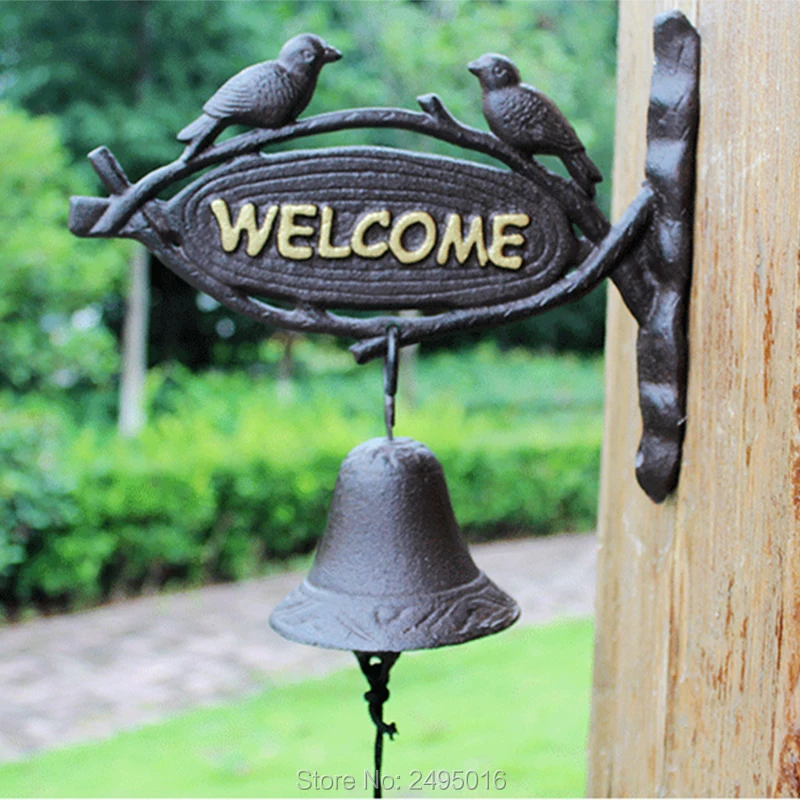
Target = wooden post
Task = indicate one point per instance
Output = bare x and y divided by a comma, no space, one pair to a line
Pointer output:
697,656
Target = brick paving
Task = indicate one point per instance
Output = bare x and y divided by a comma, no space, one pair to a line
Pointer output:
87,675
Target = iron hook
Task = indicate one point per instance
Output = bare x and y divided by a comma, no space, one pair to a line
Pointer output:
390,368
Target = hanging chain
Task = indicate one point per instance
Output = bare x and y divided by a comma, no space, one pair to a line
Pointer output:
378,676
390,367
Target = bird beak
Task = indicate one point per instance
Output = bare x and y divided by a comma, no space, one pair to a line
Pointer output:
474,67
330,54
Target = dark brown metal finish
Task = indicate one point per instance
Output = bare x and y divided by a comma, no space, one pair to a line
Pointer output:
266,95
304,244
392,571
530,121
658,294
391,368
108,217
324,267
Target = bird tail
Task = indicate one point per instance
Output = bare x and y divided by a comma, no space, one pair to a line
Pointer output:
199,134
583,171
194,128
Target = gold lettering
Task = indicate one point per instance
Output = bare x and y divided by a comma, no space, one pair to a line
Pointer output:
360,248
288,228
326,249
453,242
452,238
500,239
401,226
246,221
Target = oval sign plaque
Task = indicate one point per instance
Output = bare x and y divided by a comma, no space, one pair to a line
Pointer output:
373,228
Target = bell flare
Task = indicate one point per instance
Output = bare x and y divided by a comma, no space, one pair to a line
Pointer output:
392,571
395,623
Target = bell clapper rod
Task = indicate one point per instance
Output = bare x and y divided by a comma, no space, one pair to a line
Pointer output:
378,676
390,367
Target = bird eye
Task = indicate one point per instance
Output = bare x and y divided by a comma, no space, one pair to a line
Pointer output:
308,56
498,69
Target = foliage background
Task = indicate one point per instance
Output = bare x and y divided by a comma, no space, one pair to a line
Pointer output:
230,474
235,466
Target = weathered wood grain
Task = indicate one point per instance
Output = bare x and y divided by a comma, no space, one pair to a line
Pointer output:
697,657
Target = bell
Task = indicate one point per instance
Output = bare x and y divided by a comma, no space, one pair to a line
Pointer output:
392,571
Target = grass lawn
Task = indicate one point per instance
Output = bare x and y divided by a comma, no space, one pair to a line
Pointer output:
517,702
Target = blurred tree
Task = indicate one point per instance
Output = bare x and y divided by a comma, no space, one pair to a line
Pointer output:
129,74
51,284
132,413
83,62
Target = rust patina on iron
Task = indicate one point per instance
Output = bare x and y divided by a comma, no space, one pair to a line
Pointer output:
383,230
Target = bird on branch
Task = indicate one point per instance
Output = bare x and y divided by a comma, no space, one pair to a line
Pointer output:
528,120
266,95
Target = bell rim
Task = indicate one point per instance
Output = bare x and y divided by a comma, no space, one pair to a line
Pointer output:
321,617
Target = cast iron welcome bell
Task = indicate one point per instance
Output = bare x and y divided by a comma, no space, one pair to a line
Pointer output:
377,229
392,571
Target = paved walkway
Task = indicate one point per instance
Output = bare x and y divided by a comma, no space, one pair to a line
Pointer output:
83,676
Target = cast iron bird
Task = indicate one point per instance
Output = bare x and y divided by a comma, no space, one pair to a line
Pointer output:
266,95
528,120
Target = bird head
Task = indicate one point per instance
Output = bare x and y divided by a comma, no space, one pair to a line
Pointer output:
307,53
494,71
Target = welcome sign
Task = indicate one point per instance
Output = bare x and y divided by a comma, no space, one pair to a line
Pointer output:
372,229
363,228
289,239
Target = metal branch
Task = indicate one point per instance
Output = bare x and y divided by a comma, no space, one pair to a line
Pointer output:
311,319
436,122
578,283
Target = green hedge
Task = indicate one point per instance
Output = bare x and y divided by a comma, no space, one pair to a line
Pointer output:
229,476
